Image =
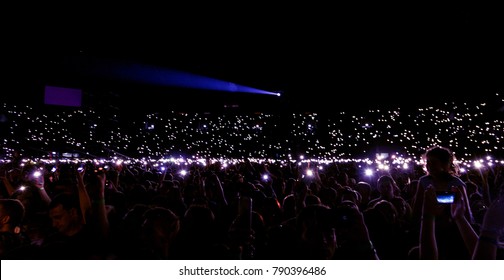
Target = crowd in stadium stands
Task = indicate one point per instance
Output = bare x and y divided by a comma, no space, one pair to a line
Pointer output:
427,184
469,129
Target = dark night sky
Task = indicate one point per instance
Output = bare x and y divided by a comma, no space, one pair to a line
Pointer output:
320,60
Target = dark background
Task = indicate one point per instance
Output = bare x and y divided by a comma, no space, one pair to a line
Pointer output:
321,58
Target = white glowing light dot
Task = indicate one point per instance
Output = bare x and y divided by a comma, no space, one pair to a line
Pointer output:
368,172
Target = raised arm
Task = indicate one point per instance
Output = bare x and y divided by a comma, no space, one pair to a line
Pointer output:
491,229
6,181
458,210
485,186
99,219
84,200
416,208
39,182
430,209
217,188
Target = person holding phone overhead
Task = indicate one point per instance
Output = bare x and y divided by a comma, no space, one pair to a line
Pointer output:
430,214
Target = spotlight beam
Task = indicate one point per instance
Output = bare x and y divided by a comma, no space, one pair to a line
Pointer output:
154,75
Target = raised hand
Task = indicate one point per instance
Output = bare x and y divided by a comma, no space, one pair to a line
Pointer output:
431,207
491,229
458,208
493,222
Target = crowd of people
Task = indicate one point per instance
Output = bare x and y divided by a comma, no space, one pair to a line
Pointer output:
384,184
470,129
123,209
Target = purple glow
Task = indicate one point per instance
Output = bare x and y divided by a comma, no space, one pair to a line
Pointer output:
62,96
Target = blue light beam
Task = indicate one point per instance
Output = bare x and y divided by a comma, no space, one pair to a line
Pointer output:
169,77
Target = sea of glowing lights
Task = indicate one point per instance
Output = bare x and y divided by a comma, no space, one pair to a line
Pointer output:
473,131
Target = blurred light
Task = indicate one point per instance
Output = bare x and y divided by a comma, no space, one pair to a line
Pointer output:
309,173
477,164
368,172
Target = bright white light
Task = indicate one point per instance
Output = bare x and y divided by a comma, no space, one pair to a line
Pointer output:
309,173
265,177
462,170
22,188
405,166
368,172
477,164
183,172
37,174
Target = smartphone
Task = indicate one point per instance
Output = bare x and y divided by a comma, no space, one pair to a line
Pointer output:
445,197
